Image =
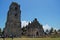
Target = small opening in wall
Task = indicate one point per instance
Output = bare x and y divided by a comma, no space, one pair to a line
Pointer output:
15,14
15,8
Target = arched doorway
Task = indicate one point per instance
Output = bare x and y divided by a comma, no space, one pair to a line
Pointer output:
37,33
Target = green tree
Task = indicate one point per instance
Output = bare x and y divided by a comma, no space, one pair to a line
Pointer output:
24,30
47,31
51,30
59,30
55,31
0,31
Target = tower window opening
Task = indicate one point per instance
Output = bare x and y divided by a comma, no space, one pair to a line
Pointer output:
15,8
15,14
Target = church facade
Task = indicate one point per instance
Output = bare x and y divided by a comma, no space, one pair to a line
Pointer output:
34,29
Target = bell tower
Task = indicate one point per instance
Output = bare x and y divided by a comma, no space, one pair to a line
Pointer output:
13,23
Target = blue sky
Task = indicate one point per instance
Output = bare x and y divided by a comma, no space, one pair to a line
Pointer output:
46,11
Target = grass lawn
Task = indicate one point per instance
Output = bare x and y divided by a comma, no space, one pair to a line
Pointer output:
31,39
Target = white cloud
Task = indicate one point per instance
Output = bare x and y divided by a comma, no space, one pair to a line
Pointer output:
24,23
49,27
46,27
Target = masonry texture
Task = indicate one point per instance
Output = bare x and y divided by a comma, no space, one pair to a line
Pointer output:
13,23
34,29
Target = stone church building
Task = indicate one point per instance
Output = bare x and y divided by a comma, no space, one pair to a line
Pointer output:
34,29
13,24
